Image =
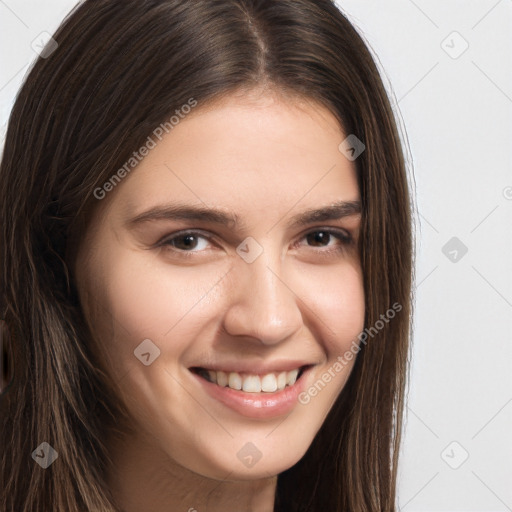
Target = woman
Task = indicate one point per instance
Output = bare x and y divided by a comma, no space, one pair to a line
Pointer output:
206,264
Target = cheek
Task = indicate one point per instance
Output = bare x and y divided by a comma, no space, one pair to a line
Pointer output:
336,297
134,300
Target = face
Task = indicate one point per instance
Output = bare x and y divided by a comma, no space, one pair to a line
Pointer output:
228,259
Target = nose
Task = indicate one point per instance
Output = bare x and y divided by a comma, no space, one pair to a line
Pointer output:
262,306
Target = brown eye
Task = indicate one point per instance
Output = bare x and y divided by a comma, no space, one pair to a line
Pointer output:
323,238
185,242
188,242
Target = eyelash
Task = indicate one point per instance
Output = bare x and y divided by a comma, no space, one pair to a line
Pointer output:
345,238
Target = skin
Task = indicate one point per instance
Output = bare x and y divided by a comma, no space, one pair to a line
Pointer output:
265,158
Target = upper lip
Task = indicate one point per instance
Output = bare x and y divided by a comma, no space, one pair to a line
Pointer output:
255,367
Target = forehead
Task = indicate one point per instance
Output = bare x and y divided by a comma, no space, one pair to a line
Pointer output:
245,153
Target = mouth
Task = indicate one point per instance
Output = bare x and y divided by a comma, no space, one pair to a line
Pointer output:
266,383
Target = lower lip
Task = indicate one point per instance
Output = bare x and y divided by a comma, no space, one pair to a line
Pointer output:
256,405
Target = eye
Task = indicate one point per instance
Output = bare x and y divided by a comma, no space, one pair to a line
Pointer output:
187,241
328,240
332,239
322,238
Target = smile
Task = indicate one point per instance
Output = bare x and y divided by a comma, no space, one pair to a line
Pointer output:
255,391
251,383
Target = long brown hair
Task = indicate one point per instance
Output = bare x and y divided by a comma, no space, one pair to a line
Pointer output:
120,69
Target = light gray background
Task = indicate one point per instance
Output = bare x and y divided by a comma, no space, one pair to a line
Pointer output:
456,106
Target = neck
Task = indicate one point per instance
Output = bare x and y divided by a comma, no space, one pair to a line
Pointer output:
142,477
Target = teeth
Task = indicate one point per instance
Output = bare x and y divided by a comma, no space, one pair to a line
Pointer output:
222,379
252,384
269,383
235,381
291,377
281,381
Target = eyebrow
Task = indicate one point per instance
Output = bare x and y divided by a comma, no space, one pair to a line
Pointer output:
335,211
